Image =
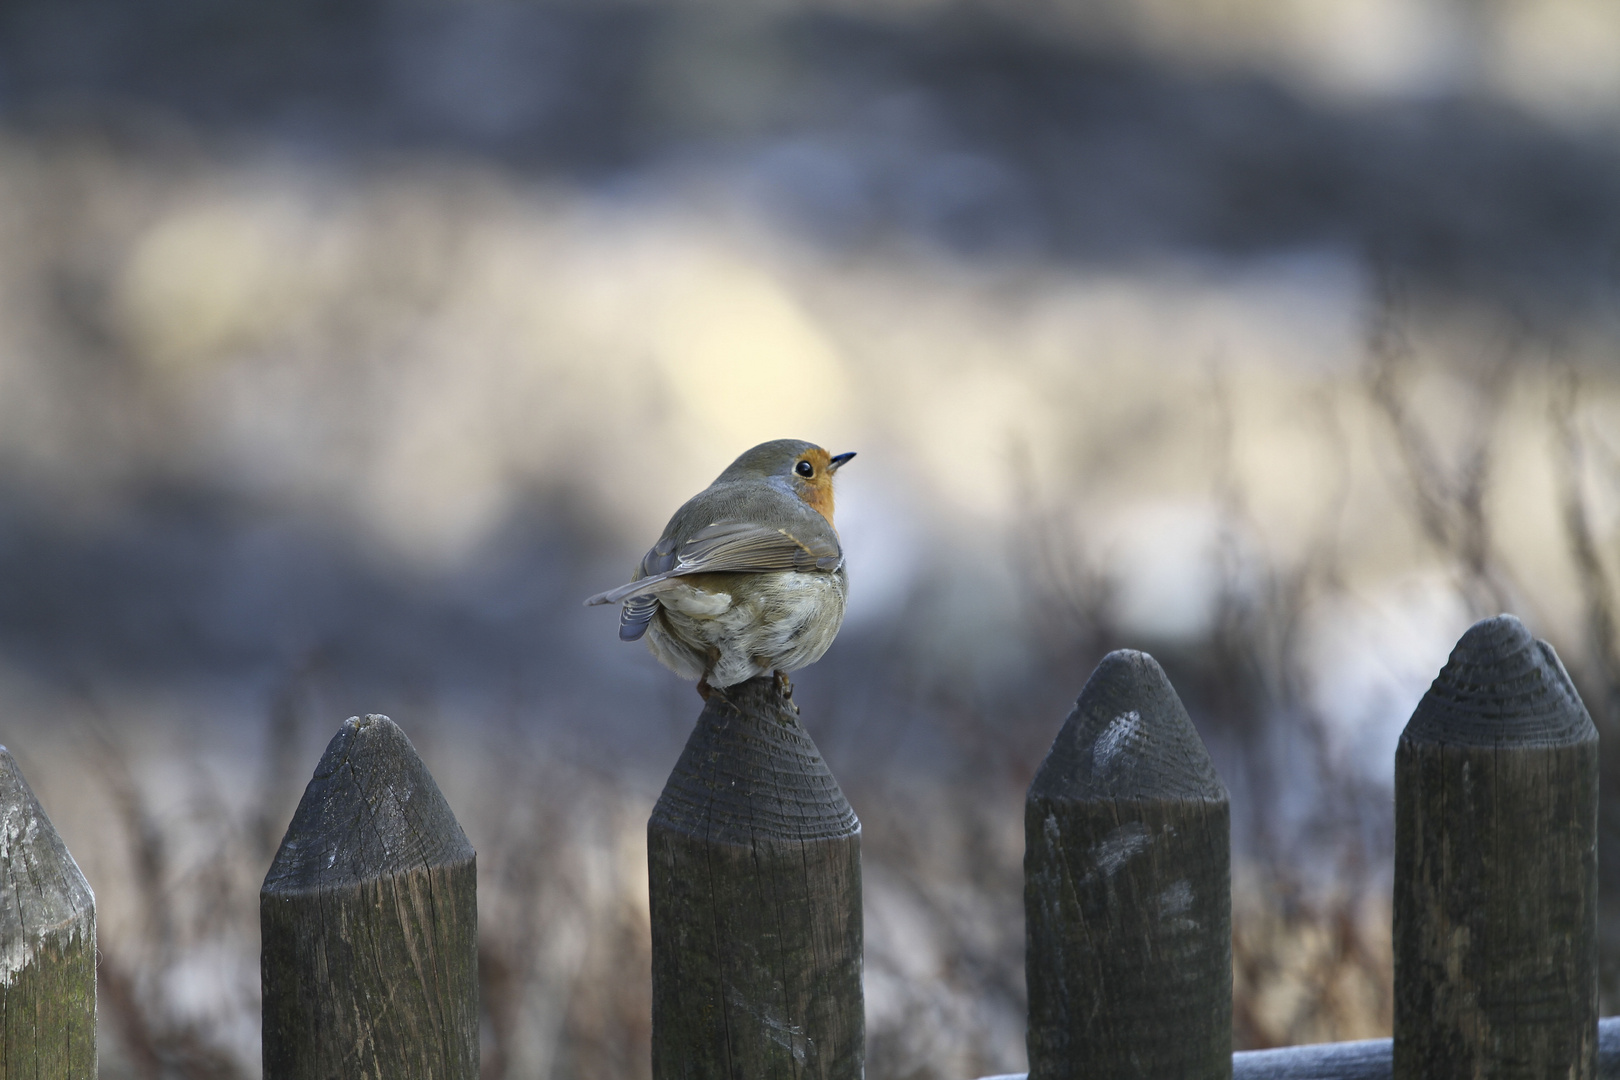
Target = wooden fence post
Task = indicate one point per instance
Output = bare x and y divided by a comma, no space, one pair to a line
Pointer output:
47,943
1496,785
1128,889
753,859
369,918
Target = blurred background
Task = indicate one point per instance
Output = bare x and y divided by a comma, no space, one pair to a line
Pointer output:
346,347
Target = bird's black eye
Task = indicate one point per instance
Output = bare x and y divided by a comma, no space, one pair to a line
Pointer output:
804,468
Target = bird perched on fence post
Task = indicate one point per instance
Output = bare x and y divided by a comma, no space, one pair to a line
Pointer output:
748,578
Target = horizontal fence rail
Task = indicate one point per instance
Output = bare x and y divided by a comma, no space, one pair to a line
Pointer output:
369,911
1368,1059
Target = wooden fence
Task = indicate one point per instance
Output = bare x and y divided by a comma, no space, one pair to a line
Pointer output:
369,914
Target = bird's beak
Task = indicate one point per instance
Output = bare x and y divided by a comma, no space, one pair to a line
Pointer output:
834,462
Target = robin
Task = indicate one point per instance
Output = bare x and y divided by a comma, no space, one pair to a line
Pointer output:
748,578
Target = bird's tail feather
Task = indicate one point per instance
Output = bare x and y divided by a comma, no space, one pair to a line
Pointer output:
635,616
652,584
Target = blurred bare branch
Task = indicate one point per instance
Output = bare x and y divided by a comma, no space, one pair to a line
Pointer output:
1450,504
282,783
157,1045
1597,591
1308,970
144,836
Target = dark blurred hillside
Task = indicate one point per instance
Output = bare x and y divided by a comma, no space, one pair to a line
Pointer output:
988,133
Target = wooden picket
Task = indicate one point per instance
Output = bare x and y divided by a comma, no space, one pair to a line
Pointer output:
369,911
369,922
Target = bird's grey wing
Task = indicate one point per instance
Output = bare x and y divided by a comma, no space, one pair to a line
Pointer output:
741,547
660,558
723,547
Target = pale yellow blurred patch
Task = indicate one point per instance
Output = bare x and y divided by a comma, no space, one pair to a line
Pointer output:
1357,48
1560,56
742,361
222,275
436,486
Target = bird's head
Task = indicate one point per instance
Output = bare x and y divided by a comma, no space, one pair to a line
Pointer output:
805,468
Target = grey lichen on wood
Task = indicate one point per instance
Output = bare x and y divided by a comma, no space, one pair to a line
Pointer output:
1496,784
1127,889
47,943
753,858
369,921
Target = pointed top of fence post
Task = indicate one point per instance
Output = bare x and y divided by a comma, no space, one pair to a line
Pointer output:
1501,687
372,808
43,886
750,772
47,942
1129,737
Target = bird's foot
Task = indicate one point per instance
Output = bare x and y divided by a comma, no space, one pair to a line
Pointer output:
785,689
706,692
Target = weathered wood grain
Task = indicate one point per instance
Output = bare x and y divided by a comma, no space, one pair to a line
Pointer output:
753,858
369,919
1127,889
1496,784
47,944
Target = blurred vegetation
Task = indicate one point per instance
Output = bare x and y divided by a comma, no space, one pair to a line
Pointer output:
345,348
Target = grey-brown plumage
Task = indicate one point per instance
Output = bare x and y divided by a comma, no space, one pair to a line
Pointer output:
748,577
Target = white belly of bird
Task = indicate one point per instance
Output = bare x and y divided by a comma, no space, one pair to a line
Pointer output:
771,622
